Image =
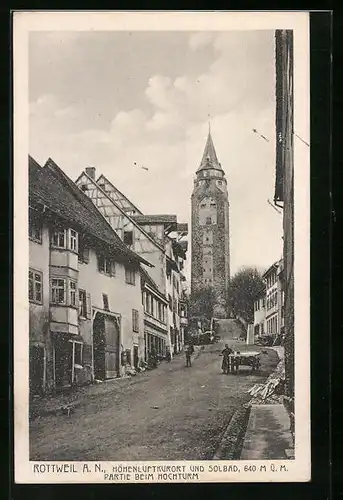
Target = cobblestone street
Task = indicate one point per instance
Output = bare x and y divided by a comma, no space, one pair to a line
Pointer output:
171,413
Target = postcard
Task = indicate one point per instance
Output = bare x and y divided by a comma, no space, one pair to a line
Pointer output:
161,247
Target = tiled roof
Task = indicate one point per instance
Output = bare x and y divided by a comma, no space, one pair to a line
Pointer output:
271,268
155,219
146,278
209,157
51,187
182,227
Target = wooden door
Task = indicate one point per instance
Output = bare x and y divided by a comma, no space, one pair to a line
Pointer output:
111,348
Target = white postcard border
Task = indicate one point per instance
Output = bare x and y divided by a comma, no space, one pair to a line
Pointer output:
24,22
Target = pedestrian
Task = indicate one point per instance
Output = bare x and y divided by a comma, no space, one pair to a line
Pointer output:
236,361
226,359
189,352
168,354
153,357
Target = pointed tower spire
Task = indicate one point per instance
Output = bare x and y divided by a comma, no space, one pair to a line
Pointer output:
209,157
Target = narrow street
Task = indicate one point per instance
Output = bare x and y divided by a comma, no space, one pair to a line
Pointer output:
171,413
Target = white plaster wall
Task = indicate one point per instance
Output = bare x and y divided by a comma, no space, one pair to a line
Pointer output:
122,297
39,261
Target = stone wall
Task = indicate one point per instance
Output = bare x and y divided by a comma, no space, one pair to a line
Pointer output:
220,244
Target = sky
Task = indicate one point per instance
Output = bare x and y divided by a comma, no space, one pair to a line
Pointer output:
115,99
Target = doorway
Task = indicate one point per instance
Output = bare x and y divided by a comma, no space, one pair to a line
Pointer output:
36,369
63,362
99,346
106,347
135,356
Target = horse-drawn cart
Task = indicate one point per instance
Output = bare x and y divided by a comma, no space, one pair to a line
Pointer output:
247,358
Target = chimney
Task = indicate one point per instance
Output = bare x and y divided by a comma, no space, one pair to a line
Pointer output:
91,172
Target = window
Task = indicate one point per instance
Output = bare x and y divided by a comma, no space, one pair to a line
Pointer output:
130,276
35,230
35,286
72,293
135,320
65,238
78,350
105,302
73,240
160,311
106,265
83,251
128,238
59,239
58,291
82,303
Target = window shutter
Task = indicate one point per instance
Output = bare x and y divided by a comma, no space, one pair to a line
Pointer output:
88,306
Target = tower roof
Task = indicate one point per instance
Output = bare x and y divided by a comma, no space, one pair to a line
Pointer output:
209,158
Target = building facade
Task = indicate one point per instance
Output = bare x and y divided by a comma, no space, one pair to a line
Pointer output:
260,315
155,307
284,192
159,238
210,229
85,302
273,300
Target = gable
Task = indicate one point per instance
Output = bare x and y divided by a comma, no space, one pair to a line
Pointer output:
117,196
120,221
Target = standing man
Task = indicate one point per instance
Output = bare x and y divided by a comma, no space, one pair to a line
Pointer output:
189,352
226,359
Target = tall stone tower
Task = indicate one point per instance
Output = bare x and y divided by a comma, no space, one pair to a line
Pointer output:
210,228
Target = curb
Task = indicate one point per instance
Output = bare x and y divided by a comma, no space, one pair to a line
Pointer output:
230,446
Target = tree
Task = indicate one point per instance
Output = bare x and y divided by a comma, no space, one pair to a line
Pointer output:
202,302
244,288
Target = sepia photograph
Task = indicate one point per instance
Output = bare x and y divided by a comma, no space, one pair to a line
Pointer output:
162,187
